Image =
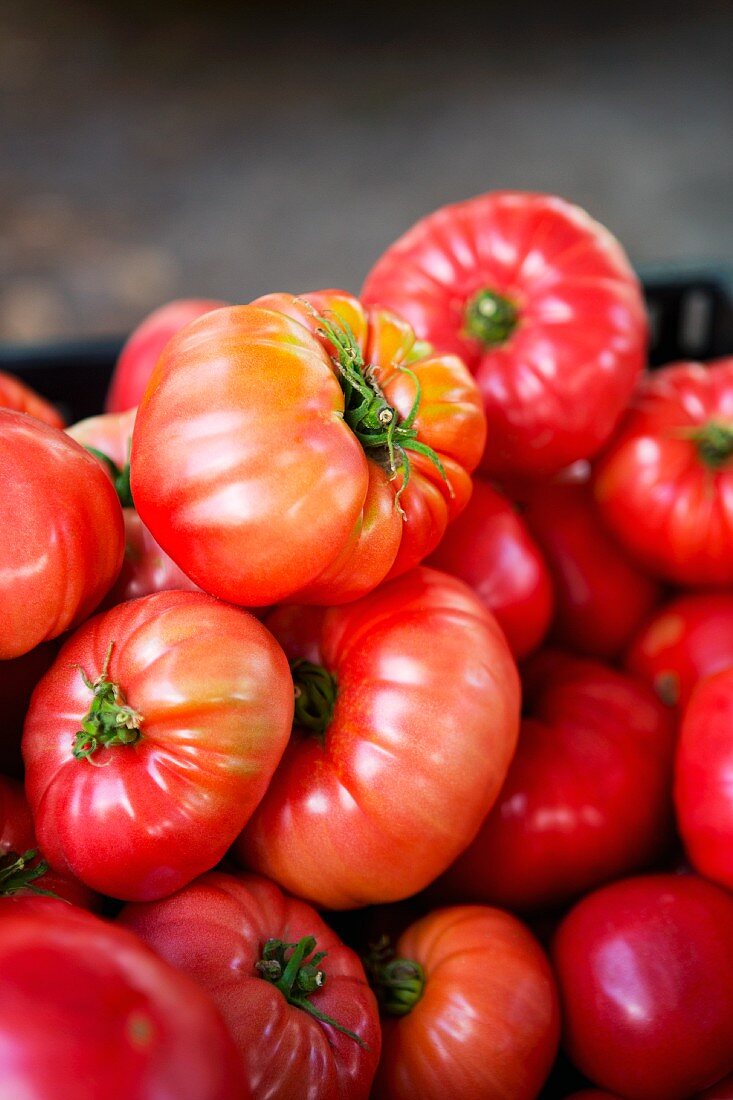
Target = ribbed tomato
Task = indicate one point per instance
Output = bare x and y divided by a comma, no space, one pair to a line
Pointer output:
15,395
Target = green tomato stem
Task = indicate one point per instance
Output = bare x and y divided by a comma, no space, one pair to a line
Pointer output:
490,318
109,720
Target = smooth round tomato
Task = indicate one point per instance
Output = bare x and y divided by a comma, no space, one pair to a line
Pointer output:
88,1011
645,968
601,595
588,793
151,740
470,1009
15,395
146,567
18,678
489,548
665,485
703,785
235,936
142,350
406,720
61,533
541,303
271,451
688,638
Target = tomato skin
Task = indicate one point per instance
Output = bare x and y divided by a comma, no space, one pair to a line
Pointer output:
703,794
487,1024
87,1011
216,699
555,388
687,639
15,395
214,930
645,969
489,548
588,793
413,758
143,347
61,534
601,595
670,509
241,437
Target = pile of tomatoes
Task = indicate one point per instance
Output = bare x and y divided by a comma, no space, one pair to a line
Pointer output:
366,684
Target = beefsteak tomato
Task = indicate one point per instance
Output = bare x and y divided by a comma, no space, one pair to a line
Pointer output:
15,395
151,740
406,720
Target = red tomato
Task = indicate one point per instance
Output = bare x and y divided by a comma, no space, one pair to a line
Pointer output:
489,548
588,793
87,1011
266,473
151,740
687,639
541,302
601,595
645,968
15,395
470,1008
143,348
146,567
61,533
703,785
18,678
228,934
665,485
406,720
722,1090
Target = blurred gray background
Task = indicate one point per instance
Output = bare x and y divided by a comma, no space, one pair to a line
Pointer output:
150,151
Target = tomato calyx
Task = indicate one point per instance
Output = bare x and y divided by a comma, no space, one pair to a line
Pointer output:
398,983
316,690
714,443
16,874
109,720
384,435
490,318
297,976
120,476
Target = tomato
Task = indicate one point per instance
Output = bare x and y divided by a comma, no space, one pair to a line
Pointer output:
146,568
588,794
645,968
601,595
261,452
406,720
15,395
687,639
489,548
61,533
703,790
229,933
142,350
87,1011
541,303
18,678
151,740
470,1009
665,485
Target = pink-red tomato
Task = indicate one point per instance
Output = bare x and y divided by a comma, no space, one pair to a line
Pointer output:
18,678
543,306
601,595
406,720
685,640
88,1011
470,1009
61,533
15,395
271,446
231,934
588,793
665,484
489,548
704,778
151,740
143,348
645,968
